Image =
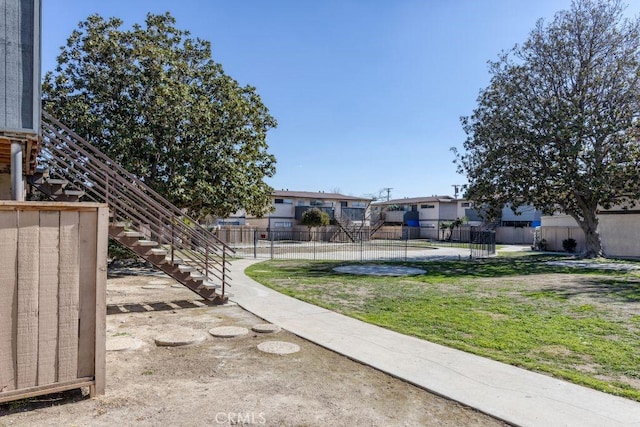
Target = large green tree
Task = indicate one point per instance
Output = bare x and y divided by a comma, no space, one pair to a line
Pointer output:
152,98
557,127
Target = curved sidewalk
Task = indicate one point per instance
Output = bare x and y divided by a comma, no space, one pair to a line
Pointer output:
512,394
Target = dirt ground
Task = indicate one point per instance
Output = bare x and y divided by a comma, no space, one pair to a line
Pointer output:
226,381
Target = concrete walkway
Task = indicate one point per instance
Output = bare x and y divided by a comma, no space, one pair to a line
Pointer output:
512,394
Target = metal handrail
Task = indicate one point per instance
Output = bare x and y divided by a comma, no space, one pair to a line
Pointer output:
133,202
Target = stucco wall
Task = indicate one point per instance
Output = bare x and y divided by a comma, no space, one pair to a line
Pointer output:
620,234
448,211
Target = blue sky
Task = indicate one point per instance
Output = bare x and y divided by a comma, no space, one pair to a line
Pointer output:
367,93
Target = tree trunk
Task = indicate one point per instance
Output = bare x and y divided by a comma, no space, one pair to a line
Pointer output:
589,225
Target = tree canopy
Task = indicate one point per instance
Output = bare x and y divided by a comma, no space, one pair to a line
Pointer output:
152,98
557,126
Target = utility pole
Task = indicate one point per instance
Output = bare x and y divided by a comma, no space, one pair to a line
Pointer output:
388,190
456,187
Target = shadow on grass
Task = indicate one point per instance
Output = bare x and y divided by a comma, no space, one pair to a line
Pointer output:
454,269
618,288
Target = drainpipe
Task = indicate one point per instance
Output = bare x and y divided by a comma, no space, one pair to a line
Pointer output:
17,185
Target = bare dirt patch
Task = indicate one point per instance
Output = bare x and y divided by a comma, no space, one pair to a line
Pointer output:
228,381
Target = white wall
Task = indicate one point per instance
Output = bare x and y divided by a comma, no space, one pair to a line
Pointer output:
448,211
620,234
283,210
429,213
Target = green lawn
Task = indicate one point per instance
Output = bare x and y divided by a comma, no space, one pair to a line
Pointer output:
582,325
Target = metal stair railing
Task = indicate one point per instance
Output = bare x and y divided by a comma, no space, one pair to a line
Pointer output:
344,223
378,223
133,202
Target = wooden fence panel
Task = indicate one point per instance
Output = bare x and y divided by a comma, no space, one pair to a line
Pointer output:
87,302
8,299
52,297
28,281
48,297
68,297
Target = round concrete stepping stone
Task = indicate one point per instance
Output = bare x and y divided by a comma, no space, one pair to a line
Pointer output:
228,331
158,282
179,337
278,347
154,286
123,343
266,328
379,270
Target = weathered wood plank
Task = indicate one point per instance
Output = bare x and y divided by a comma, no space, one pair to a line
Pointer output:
28,280
6,205
87,333
8,299
43,389
68,296
101,300
48,297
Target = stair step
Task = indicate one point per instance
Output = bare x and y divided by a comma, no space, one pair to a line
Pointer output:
159,251
74,192
133,234
146,243
211,285
176,260
198,276
185,268
57,181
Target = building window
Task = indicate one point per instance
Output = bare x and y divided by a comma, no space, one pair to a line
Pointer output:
343,204
465,204
282,224
359,204
278,201
316,203
427,206
283,201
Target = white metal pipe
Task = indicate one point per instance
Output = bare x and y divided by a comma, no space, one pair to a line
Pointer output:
17,184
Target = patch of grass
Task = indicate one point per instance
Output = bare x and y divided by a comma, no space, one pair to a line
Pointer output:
546,293
573,323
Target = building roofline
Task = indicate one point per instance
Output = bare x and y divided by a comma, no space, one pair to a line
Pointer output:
316,195
414,200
